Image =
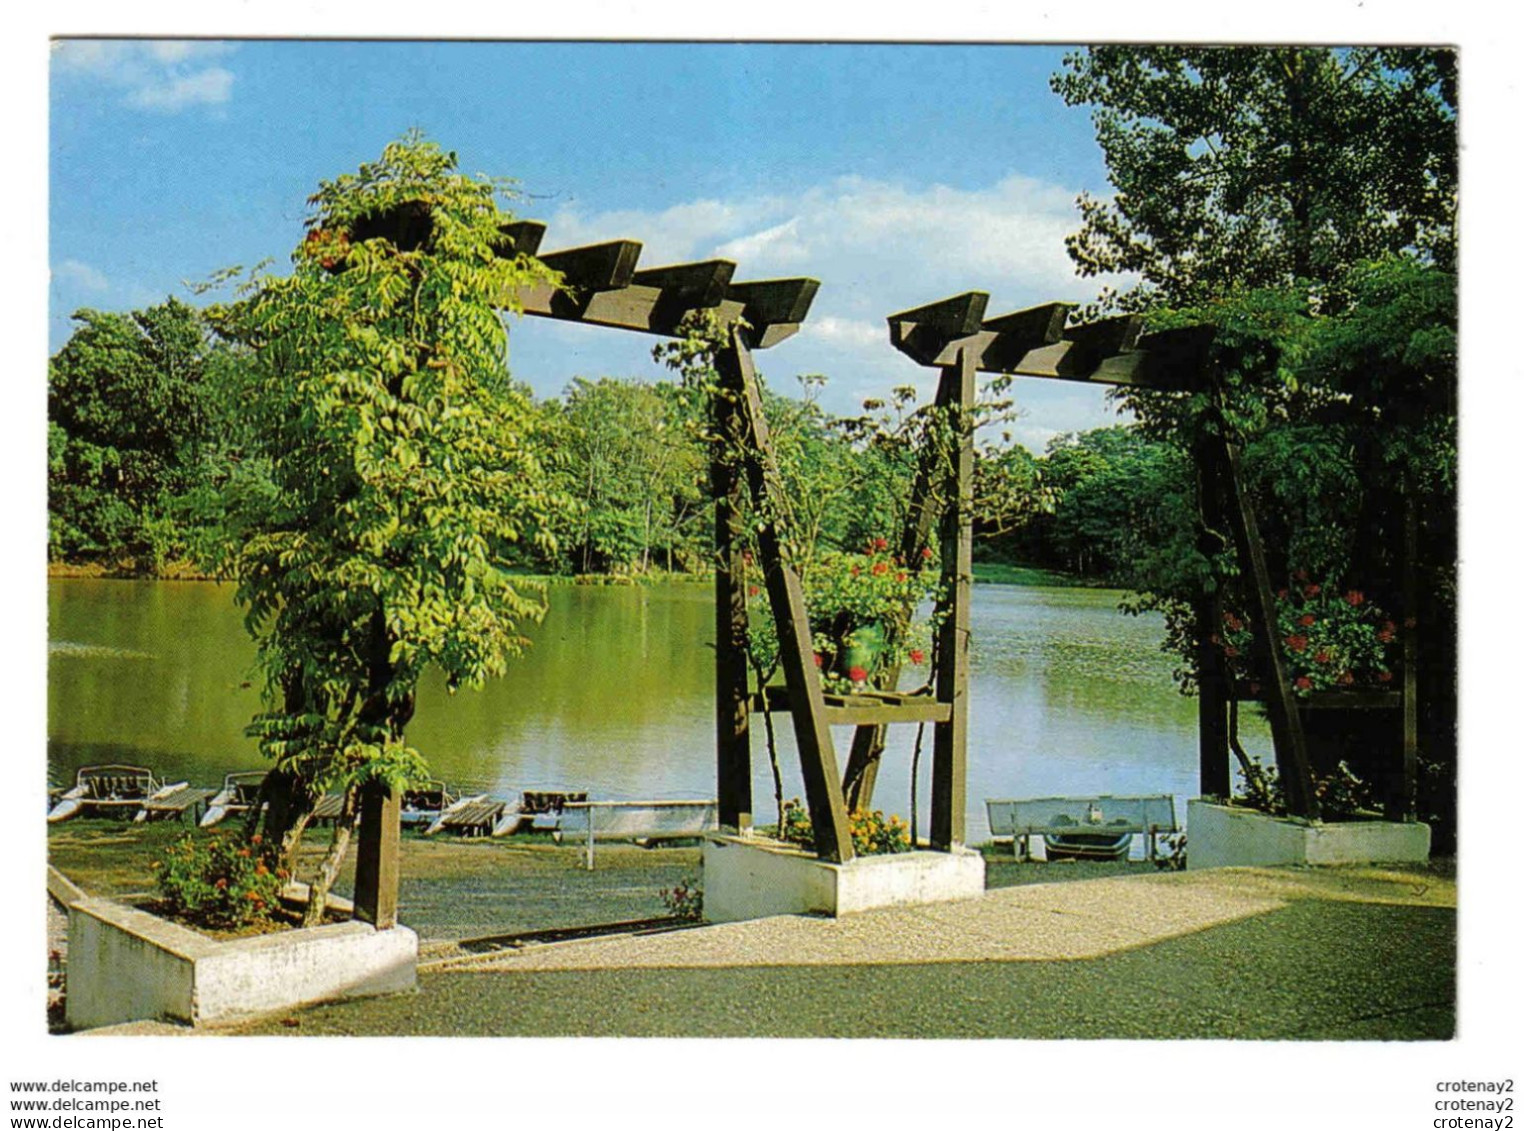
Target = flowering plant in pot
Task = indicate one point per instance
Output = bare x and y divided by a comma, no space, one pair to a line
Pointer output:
861,606
1329,639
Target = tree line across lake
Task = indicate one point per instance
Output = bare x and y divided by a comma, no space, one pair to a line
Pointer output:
147,439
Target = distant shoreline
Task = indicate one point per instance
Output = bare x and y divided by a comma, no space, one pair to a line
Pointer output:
985,573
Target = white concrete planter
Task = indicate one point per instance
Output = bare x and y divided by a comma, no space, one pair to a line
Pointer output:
1225,836
129,965
749,878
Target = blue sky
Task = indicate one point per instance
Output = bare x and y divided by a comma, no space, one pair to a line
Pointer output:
896,174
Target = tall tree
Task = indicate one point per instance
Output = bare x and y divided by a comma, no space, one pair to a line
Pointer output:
635,469
1249,167
127,413
404,468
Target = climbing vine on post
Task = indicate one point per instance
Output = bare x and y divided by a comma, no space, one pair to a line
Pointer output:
404,466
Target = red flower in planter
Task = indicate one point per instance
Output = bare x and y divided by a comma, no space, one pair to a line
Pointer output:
880,568
926,553
1297,643
1282,594
1346,678
857,675
1323,657
1307,620
752,590
880,544
1312,590
1384,677
818,660
1355,597
917,656
221,884
1303,683
1233,623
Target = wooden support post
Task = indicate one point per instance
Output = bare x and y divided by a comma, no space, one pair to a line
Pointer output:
378,858
731,697
1285,725
1406,807
864,759
812,735
949,752
1216,779
921,516
1211,677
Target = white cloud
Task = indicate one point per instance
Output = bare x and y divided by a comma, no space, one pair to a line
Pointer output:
211,87
850,332
158,75
82,275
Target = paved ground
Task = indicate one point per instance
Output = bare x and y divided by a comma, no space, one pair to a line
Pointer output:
1349,953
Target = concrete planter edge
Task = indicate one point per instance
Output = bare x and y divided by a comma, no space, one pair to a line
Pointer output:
126,964
1226,836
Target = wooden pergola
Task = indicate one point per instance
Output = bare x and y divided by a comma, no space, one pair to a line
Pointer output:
602,285
954,334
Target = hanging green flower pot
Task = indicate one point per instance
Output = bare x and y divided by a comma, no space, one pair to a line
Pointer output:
861,652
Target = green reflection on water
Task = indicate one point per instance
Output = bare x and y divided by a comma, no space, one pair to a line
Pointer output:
615,696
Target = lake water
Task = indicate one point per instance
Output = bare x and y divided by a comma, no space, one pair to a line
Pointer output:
1067,696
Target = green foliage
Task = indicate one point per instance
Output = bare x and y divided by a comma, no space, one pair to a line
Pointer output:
1328,640
403,465
129,418
219,881
627,454
1341,793
873,834
1251,167
860,606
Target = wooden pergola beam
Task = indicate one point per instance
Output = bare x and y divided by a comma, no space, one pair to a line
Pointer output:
595,267
697,286
521,237
1034,343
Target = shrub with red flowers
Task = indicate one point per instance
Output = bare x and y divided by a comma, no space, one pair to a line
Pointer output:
219,881
1330,639
861,607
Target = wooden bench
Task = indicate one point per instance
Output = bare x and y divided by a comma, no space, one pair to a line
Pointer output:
175,801
1105,815
638,820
